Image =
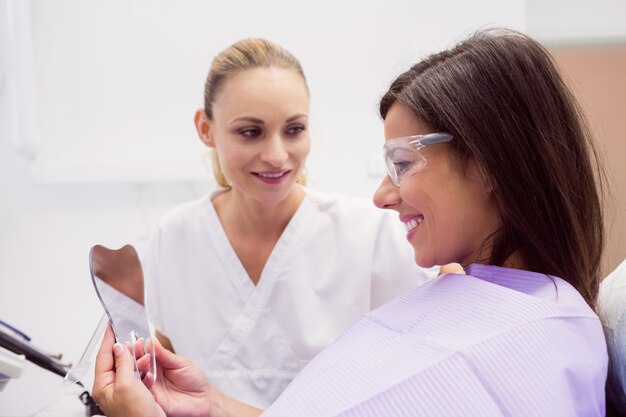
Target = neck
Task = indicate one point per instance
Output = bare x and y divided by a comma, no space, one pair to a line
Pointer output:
245,216
513,261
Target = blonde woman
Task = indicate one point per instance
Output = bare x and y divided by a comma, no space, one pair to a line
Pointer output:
252,281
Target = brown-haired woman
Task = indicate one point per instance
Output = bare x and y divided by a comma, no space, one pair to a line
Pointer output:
490,166
265,261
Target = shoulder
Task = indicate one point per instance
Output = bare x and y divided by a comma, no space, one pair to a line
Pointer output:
493,301
549,294
359,219
183,228
335,201
533,326
186,214
347,208
547,367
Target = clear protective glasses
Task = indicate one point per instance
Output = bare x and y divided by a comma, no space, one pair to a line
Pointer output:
402,156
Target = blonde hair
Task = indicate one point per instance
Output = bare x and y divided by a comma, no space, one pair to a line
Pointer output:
244,55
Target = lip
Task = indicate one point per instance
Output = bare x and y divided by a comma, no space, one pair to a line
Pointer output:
404,218
275,176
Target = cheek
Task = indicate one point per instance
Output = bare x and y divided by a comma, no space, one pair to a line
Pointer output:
466,223
458,210
447,212
444,226
302,149
232,158
427,195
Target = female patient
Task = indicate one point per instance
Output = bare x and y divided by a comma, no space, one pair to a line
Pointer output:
489,164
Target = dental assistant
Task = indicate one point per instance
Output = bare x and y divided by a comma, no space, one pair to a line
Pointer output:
254,280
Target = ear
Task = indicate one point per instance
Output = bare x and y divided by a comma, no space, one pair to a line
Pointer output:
204,127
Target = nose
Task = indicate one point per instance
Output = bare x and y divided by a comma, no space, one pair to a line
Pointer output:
274,151
387,196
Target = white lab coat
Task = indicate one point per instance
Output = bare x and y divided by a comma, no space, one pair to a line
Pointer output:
338,258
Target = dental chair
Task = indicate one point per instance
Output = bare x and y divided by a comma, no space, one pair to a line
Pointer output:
612,311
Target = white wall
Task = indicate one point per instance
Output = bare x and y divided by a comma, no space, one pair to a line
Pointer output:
103,141
577,21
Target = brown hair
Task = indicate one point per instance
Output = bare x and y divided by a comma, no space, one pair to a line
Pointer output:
244,55
499,93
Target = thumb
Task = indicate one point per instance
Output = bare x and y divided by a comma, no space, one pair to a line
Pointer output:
124,363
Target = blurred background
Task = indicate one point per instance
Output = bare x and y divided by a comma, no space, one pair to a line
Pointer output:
96,123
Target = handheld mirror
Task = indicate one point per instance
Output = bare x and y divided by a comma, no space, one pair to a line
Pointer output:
118,280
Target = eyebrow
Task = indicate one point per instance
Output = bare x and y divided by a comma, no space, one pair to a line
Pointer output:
261,122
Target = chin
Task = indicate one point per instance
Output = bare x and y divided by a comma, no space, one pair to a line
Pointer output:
275,197
424,262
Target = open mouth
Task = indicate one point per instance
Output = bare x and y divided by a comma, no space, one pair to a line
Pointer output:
413,222
272,177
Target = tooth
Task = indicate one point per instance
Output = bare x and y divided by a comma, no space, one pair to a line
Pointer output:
271,175
410,225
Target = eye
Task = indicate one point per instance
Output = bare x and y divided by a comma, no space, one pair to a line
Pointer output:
295,130
250,132
402,166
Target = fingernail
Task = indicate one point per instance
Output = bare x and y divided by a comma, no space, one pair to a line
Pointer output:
118,349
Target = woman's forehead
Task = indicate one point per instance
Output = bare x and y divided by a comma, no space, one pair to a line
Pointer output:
262,93
401,122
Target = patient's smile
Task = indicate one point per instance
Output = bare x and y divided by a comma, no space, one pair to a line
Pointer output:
413,222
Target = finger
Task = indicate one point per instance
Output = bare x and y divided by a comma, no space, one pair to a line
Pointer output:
452,268
139,348
124,364
148,380
104,376
104,359
143,363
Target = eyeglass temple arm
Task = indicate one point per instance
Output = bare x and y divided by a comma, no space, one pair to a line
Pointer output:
432,138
